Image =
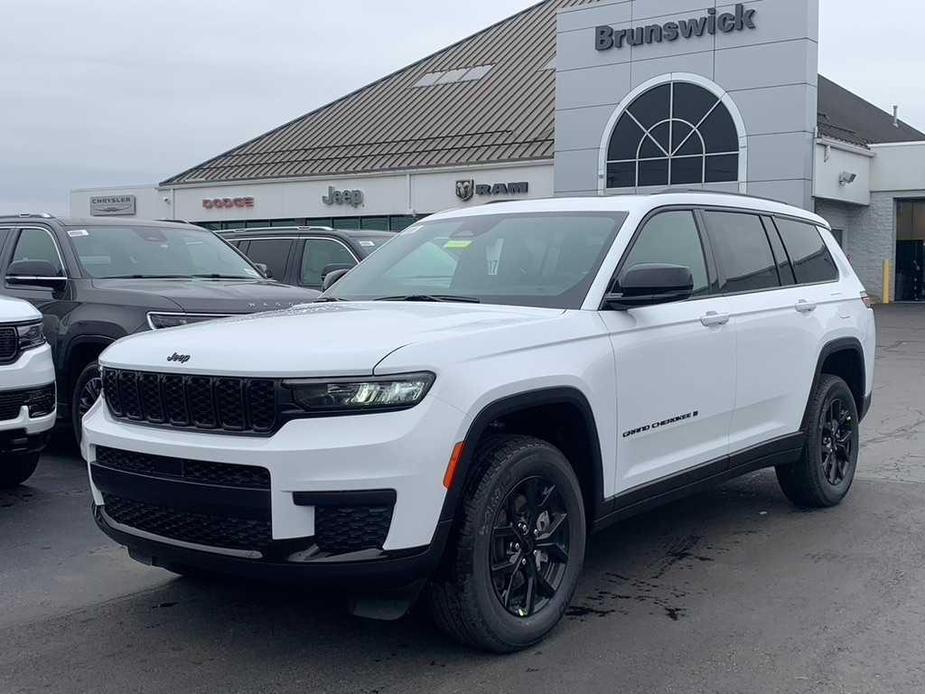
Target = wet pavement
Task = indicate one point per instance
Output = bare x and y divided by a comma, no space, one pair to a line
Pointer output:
729,591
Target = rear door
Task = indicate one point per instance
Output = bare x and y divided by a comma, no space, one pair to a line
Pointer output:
321,256
272,252
775,339
675,362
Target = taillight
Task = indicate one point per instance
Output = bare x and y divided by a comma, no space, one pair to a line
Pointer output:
868,302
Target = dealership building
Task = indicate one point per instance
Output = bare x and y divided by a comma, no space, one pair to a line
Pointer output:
583,97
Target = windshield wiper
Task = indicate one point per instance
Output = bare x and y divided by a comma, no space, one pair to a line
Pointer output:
326,300
145,277
433,297
219,276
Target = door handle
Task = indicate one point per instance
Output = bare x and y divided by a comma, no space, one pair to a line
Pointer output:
804,306
712,319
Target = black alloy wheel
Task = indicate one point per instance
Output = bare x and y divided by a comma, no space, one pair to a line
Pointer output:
87,389
837,442
89,394
823,474
512,564
529,547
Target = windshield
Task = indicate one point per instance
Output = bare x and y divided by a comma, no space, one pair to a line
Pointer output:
545,260
148,252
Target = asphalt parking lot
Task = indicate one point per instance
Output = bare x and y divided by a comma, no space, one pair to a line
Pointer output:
730,591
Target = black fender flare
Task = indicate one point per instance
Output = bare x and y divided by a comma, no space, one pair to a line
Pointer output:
67,377
515,403
842,344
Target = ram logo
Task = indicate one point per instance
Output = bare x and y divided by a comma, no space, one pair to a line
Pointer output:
182,358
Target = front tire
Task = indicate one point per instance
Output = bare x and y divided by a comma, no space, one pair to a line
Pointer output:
16,469
517,556
86,392
824,474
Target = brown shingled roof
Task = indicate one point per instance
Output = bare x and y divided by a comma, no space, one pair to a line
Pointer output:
508,115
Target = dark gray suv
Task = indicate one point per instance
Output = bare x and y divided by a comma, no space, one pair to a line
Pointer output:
97,280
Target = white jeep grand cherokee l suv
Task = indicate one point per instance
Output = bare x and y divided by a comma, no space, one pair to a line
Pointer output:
27,391
466,404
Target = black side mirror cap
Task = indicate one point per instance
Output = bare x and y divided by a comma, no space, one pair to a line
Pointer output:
39,273
649,285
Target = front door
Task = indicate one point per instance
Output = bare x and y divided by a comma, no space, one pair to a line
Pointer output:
675,363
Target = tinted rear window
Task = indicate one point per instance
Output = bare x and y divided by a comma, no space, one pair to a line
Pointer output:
811,260
271,252
742,251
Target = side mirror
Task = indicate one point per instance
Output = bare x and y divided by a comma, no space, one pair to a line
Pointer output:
649,285
264,270
37,273
328,269
332,277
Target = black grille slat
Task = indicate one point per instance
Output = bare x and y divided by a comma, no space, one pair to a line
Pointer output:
197,528
261,404
200,472
229,398
173,391
149,389
128,393
201,403
238,405
111,388
9,345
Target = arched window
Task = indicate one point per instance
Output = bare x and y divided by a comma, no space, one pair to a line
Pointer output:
675,133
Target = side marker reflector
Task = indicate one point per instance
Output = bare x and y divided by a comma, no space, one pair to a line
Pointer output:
450,476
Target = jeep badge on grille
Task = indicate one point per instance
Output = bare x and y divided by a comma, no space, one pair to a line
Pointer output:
182,358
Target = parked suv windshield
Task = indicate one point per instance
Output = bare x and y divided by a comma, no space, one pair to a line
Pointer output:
546,260
144,252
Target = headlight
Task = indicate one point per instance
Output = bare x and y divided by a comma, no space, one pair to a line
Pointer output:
373,394
30,335
172,320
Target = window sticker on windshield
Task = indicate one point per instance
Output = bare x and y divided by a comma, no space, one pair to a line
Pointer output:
77,233
368,244
494,256
458,244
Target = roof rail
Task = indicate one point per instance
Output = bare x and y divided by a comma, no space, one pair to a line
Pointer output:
42,215
701,191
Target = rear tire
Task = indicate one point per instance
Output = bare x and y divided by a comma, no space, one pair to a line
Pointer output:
16,469
86,391
514,564
824,474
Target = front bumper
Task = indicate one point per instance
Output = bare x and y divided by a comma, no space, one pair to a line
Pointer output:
364,571
313,464
32,371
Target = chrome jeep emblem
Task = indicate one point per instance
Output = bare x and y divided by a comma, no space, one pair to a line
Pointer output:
182,358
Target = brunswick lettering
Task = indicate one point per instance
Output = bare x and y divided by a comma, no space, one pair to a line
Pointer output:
606,37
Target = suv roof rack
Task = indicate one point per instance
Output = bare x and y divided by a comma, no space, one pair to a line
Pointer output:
42,215
276,229
701,191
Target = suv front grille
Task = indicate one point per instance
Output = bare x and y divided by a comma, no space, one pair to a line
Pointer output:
9,345
200,472
41,402
207,403
186,526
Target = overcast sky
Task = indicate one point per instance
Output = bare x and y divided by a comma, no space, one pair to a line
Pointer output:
113,92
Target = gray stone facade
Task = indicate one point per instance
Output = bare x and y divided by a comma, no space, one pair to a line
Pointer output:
869,234
769,72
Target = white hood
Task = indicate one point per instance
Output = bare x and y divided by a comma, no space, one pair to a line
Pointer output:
17,310
334,339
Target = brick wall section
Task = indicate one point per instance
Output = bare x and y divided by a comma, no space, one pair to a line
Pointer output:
869,235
